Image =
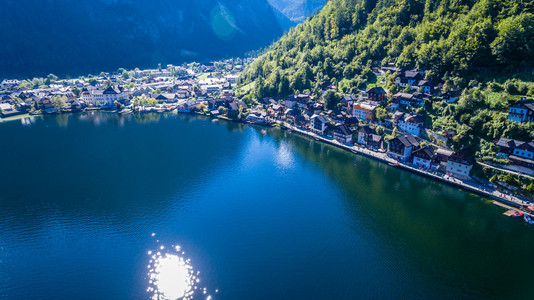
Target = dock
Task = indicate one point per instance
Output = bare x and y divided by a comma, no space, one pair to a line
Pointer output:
509,209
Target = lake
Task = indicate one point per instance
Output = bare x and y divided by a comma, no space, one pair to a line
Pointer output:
102,206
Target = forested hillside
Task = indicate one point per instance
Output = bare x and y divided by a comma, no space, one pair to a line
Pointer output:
444,37
79,37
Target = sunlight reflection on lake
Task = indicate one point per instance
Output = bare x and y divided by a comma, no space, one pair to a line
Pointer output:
284,157
171,275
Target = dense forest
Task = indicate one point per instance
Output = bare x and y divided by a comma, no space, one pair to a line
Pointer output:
481,48
90,36
444,37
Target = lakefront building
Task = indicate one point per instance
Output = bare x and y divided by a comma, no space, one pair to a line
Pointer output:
402,147
423,157
107,97
459,165
318,123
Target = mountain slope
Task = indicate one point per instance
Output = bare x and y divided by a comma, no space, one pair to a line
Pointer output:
442,36
61,36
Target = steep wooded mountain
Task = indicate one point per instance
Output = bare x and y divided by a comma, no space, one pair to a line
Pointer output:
77,37
455,37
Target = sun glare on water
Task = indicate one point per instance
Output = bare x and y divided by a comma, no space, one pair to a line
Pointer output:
171,276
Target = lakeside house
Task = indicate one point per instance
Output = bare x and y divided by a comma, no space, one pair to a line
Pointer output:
319,123
7,110
423,157
459,165
367,136
104,97
375,141
291,114
364,134
166,98
402,147
183,93
257,116
343,134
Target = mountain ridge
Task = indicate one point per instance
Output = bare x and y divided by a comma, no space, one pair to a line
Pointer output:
62,37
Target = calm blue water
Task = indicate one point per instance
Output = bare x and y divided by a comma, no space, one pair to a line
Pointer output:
87,201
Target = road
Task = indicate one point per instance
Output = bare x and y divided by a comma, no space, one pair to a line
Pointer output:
505,170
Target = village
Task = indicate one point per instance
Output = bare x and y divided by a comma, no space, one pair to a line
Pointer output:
373,122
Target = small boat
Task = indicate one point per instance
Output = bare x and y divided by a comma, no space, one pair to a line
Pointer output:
528,219
517,214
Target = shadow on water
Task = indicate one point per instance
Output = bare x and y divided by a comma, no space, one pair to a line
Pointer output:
436,226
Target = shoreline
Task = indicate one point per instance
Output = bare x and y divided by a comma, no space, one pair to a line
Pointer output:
494,195
514,202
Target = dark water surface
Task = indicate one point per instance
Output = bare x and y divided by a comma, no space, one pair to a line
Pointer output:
87,201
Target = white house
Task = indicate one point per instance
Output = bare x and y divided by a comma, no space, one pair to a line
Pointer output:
343,134
318,123
423,157
363,134
459,166
105,97
412,124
